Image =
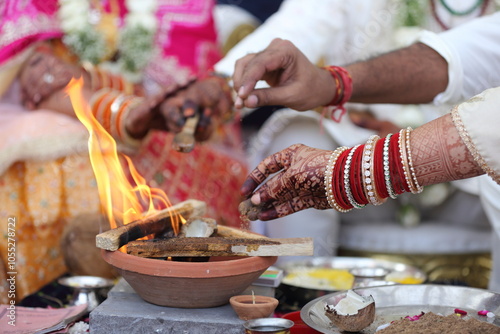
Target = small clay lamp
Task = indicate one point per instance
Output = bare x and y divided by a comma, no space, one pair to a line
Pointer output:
249,307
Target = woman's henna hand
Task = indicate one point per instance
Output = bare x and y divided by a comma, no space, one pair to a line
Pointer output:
439,154
299,183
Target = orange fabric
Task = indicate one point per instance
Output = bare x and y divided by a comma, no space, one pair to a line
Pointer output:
42,197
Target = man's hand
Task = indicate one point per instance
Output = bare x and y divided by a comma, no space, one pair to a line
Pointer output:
297,185
295,82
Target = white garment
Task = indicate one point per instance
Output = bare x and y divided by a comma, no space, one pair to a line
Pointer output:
473,55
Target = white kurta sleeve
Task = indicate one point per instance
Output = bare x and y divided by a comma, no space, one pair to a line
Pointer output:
295,21
477,121
472,51
320,29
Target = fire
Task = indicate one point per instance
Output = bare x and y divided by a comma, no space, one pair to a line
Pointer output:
123,200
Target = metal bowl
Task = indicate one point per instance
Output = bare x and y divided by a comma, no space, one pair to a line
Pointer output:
293,295
90,290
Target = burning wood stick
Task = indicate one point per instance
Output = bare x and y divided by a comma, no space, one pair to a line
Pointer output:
156,223
218,246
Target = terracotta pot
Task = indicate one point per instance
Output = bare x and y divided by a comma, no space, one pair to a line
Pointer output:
249,307
188,284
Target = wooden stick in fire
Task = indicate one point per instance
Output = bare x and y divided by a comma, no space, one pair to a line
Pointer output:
219,246
157,223
232,232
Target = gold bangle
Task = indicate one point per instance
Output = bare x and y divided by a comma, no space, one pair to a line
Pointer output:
103,111
367,171
123,135
97,98
387,169
413,176
347,184
329,178
90,69
116,111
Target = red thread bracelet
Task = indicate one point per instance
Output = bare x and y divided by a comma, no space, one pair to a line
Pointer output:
343,90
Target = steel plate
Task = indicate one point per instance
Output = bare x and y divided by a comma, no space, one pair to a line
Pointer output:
393,302
349,263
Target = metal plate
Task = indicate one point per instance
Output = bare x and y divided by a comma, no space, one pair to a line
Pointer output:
393,302
349,263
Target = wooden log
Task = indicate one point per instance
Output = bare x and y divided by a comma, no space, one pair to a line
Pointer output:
218,246
159,222
232,232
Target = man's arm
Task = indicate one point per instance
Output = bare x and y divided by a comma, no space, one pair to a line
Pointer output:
412,75
447,68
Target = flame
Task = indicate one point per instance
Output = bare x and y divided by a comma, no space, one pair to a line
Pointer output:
123,201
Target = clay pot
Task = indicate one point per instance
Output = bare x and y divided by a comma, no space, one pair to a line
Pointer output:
249,307
188,284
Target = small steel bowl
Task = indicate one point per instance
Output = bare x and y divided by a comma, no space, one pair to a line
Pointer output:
268,326
90,290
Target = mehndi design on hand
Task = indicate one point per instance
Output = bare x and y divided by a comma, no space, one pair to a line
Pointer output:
298,182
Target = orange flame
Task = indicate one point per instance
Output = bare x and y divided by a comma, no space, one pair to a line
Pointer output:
123,201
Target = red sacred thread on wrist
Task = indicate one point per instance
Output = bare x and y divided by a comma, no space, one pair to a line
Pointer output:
356,180
343,90
397,171
378,168
338,181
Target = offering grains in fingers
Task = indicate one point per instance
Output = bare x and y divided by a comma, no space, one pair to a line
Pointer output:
248,210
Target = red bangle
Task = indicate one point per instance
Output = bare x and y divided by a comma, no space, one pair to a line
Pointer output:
338,182
395,180
378,161
397,175
356,180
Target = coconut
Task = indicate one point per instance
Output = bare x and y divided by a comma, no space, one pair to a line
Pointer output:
198,227
352,313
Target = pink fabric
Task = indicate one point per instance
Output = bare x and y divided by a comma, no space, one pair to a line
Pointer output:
187,40
24,23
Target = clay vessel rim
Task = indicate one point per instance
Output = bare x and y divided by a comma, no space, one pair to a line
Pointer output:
241,299
235,266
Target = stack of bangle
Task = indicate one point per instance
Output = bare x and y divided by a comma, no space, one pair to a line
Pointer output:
110,108
343,90
370,173
100,78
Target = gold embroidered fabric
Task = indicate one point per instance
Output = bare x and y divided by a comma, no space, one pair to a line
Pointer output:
476,121
42,196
